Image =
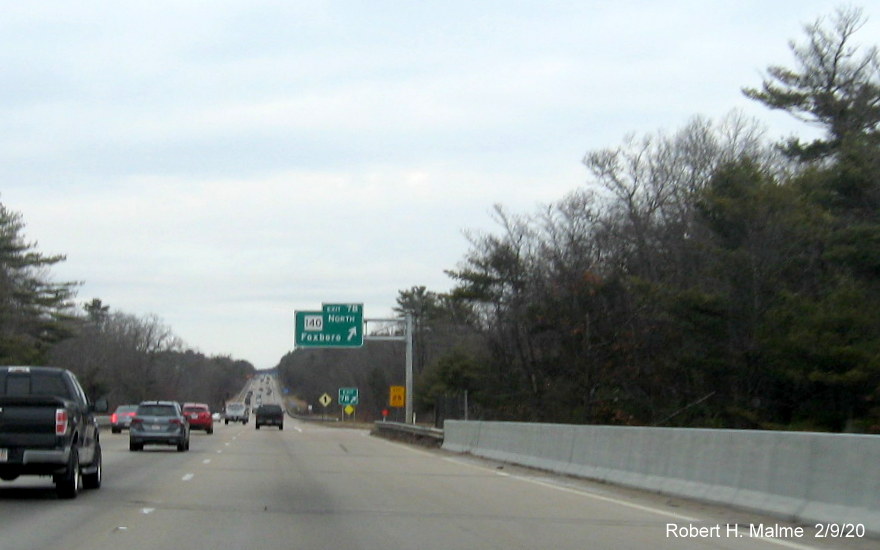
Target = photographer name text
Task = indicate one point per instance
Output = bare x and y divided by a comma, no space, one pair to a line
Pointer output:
764,531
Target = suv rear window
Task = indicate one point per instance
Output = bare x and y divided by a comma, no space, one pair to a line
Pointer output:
33,383
156,410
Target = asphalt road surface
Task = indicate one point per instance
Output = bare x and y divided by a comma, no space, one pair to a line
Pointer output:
316,487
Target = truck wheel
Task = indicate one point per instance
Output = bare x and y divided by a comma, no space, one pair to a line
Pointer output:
68,484
258,426
93,480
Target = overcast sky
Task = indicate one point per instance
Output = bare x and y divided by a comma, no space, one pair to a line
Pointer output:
221,164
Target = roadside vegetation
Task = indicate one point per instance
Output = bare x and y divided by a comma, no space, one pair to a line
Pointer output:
114,354
700,278
130,359
704,277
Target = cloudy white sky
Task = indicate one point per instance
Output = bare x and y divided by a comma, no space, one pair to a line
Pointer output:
223,163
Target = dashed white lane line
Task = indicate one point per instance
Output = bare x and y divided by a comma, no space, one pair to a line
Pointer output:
188,477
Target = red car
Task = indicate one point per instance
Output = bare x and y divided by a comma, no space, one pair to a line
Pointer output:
121,417
199,417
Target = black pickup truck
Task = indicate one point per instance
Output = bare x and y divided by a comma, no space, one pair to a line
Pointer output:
270,415
48,428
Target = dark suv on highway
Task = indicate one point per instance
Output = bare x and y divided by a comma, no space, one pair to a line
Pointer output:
270,415
158,423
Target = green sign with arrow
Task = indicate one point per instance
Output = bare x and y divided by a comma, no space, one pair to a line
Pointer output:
335,326
348,396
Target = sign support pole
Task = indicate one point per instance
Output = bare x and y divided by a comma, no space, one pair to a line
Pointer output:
408,338
409,368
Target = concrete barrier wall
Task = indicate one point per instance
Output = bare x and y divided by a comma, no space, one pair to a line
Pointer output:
807,477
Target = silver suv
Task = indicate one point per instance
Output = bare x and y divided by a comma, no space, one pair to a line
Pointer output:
236,412
158,423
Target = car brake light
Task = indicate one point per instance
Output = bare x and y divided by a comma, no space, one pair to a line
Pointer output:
136,420
174,421
60,421
114,418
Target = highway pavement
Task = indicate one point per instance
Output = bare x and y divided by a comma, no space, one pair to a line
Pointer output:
314,486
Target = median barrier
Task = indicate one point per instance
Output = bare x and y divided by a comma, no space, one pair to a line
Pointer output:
806,477
544,446
467,437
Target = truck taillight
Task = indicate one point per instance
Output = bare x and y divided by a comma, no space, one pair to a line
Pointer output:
60,422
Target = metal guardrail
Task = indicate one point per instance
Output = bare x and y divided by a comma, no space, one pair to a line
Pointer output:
410,429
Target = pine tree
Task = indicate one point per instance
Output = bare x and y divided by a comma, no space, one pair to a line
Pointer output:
835,86
35,312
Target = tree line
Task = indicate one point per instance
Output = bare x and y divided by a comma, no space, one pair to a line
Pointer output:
704,277
125,357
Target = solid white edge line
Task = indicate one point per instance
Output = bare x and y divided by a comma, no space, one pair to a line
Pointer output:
780,542
650,509
454,460
788,544
460,462
594,496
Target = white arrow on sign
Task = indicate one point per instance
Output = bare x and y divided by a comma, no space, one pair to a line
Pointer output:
352,333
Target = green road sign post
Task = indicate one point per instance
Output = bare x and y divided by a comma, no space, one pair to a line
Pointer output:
335,326
348,398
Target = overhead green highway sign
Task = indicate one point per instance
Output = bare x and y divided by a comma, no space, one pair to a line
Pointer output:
335,326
